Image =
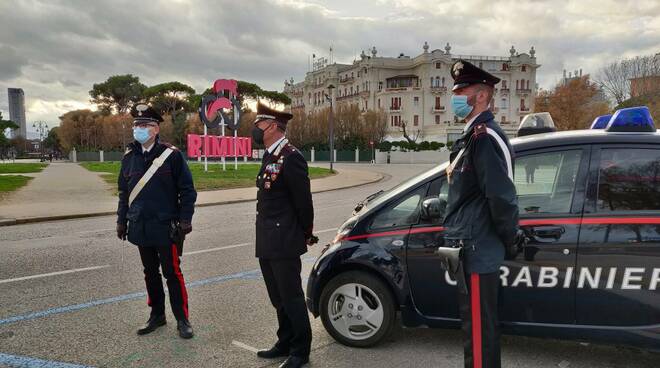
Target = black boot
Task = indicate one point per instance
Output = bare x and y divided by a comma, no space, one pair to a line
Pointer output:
272,353
185,329
152,324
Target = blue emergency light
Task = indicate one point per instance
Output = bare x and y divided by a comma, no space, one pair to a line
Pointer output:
601,121
632,119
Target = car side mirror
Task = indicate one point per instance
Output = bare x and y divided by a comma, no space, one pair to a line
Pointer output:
433,208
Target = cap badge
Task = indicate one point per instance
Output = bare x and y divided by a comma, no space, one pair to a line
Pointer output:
458,67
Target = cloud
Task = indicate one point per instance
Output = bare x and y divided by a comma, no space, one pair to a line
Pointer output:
56,50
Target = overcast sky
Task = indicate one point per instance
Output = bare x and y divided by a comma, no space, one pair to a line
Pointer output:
56,50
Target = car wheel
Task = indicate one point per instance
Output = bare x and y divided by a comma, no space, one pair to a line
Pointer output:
357,309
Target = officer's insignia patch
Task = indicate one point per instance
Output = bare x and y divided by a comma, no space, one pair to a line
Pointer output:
273,168
273,177
457,68
267,185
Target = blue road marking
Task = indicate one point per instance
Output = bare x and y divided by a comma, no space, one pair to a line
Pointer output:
246,275
27,362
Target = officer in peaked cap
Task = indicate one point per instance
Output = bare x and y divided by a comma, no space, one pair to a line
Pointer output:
156,205
285,218
482,211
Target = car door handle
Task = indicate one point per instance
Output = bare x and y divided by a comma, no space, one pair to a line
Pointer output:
548,232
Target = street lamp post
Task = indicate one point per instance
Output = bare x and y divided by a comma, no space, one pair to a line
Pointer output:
42,129
332,126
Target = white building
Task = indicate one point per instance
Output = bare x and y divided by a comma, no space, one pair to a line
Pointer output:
417,90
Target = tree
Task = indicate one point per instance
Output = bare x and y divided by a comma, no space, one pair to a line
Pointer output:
615,78
81,129
170,97
118,93
573,105
52,141
406,134
4,125
375,125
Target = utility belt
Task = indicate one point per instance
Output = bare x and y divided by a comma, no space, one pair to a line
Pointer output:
452,259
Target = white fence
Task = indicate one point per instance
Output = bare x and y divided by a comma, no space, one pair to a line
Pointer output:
421,157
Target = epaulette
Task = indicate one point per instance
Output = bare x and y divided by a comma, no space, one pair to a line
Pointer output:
289,148
479,130
169,146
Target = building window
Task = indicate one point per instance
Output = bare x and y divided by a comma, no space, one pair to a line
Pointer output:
380,86
481,65
437,119
522,104
438,65
504,105
416,101
379,103
416,120
524,68
366,105
505,67
357,89
437,103
502,119
528,84
503,84
443,81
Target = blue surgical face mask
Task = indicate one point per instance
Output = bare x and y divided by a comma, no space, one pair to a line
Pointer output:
460,106
141,134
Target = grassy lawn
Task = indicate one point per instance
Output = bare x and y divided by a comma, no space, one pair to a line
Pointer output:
21,168
9,183
214,179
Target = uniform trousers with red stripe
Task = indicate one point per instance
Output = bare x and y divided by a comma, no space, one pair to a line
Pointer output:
478,309
167,259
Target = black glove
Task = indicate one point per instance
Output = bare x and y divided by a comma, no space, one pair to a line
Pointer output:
313,239
512,250
121,231
185,226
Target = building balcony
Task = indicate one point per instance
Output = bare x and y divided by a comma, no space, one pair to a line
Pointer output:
346,80
503,90
401,89
346,97
437,109
395,108
523,91
298,106
364,94
523,109
439,89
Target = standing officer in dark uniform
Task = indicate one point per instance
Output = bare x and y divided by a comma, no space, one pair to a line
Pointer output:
156,204
285,217
482,211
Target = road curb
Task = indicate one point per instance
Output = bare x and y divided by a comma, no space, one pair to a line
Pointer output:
31,220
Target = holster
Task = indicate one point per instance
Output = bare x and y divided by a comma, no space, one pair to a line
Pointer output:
451,259
177,236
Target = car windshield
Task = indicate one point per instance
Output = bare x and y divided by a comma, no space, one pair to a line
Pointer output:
403,186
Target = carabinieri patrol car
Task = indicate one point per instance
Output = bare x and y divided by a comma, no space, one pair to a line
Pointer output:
590,206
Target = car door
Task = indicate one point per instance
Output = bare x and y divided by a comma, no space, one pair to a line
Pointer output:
433,291
550,185
619,250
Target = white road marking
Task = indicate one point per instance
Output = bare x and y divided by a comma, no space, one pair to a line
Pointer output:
244,346
239,245
52,274
216,249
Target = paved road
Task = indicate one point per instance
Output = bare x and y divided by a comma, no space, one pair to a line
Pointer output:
88,316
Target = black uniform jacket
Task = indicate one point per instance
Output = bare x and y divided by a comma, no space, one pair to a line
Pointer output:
285,212
482,208
169,195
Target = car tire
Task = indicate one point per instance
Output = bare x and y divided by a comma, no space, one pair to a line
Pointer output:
357,309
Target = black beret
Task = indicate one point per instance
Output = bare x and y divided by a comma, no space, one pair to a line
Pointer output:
266,113
465,74
144,113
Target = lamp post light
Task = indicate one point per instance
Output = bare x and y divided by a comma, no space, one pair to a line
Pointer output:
328,96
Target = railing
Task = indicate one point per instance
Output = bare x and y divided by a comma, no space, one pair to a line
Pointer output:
484,58
523,91
347,96
438,109
395,108
505,90
346,80
438,89
523,109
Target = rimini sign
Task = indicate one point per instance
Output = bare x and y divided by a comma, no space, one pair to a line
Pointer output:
218,146
628,278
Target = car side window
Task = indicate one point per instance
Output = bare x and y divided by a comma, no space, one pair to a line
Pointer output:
403,212
629,180
545,182
439,188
